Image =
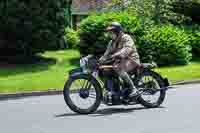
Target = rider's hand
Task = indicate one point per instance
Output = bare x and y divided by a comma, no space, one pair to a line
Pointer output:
101,60
113,56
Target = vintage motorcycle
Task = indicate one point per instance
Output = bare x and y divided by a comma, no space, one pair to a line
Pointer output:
92,84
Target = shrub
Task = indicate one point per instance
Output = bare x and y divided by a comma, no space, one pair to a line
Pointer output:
195,43
72,38
193,31
92,30
166,45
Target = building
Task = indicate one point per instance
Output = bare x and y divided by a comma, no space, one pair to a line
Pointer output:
81,8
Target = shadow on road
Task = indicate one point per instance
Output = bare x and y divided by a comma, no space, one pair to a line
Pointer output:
106,111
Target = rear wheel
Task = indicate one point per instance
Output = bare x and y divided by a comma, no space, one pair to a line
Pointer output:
152,88
82,94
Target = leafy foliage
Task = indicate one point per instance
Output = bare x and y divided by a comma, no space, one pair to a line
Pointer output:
195,43
166,45
28,27
189,8
72,38
161,11
92,30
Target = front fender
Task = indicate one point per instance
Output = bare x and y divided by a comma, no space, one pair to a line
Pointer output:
78,72
75,71
81,75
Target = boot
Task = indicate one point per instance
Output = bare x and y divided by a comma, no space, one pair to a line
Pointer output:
132,91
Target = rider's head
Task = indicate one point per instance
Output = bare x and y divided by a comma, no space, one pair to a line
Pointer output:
115,28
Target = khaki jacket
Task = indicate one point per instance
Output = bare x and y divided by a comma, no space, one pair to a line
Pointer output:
124,47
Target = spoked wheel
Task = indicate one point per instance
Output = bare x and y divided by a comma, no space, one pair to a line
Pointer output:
151,86
82,94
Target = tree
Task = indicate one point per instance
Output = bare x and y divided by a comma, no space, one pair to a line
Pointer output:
69,6
29,27
190,8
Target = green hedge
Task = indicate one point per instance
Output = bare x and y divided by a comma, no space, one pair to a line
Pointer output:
195,43
193,31
93,38
28,27
167,45
72,38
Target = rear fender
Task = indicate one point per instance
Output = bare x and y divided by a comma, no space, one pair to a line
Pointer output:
165,80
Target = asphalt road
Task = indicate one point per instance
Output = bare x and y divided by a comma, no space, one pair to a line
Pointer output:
180,113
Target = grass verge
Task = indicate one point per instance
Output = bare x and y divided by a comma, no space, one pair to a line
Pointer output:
52,72
43,75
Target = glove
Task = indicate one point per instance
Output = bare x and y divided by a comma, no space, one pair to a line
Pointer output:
113,56
102,59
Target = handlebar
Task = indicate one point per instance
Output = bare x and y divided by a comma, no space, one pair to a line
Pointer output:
92,62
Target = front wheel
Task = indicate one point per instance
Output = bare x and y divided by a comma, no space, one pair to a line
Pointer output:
152,88
82,94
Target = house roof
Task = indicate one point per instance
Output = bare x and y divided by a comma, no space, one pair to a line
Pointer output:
83,7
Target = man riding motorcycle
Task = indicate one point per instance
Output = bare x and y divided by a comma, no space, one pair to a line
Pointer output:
122,46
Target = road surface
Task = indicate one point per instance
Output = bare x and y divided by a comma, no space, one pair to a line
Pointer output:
180,113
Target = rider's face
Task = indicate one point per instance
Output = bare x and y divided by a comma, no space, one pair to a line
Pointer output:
113,35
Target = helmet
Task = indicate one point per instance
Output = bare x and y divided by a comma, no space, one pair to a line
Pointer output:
115,26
